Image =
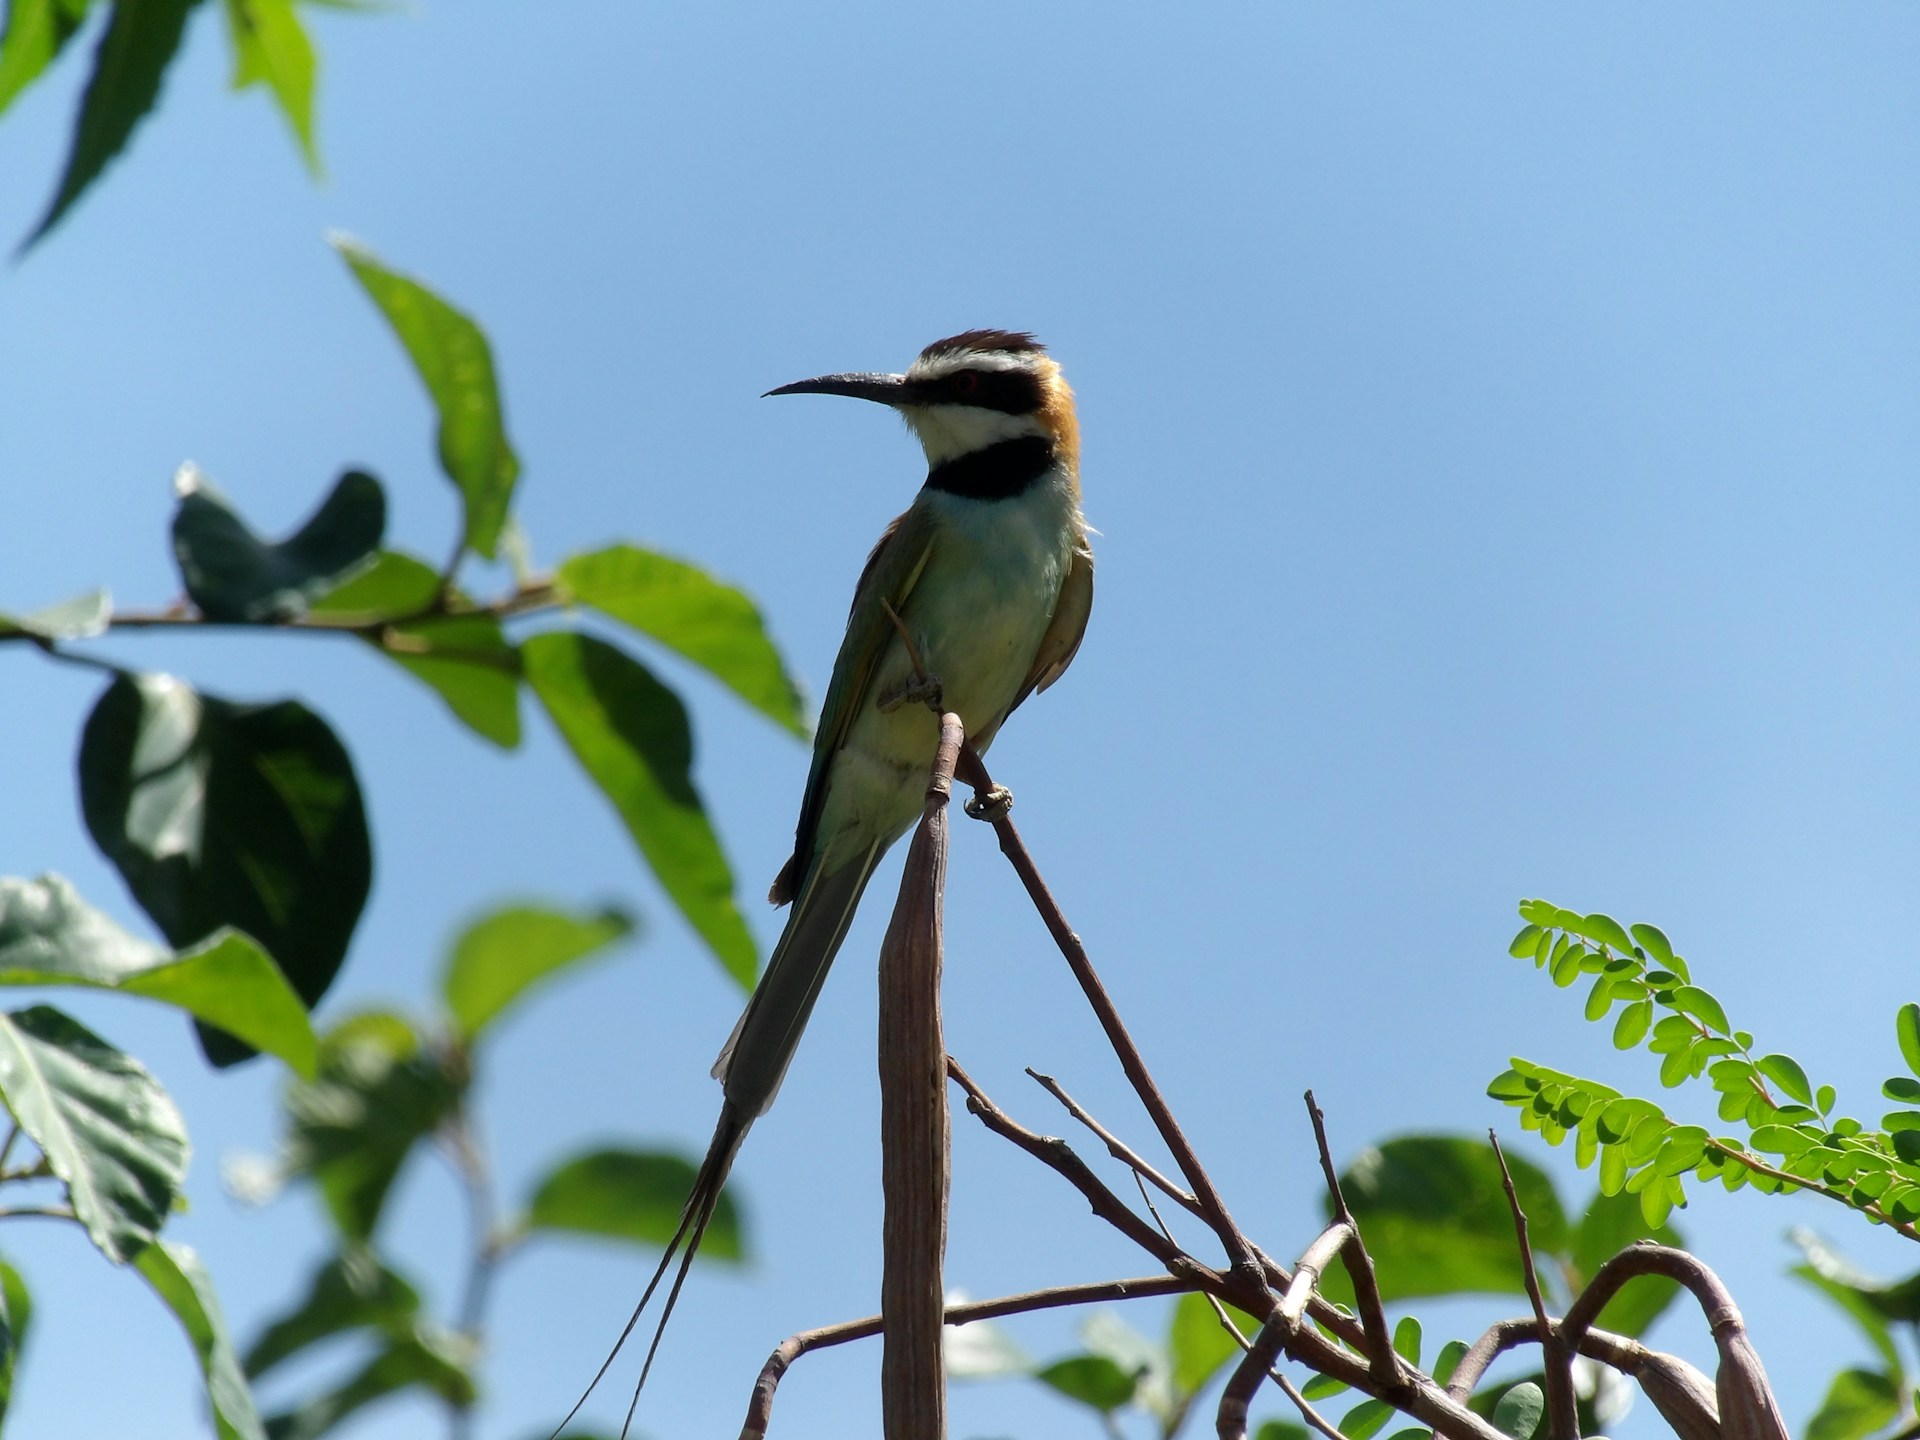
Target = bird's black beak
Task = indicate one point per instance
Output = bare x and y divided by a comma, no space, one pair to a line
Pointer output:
887,389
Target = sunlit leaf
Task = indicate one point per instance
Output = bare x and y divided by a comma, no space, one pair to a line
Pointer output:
1858,1403
631,1195
37,31
271,45
1091,1379
80,618
451,354
465,658
352,1291
178,1277
1198,1345
499,956
1519,1411
16,1319
712,624
630,734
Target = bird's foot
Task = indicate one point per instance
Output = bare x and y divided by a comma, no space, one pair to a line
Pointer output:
991,805
921,690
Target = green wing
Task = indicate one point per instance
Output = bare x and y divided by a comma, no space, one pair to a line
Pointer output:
891,572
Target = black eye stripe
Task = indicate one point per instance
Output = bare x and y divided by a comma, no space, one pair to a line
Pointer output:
1012,392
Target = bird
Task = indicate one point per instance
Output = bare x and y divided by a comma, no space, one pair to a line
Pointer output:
978,596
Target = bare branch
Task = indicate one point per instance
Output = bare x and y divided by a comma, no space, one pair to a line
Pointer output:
1384,1363
1239,1250
760,1407
1117,1147
1563,1414
1230,1420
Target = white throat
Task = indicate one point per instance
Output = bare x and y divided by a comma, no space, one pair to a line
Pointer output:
946,432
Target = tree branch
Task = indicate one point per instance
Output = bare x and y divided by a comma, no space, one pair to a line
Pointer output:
1563,1413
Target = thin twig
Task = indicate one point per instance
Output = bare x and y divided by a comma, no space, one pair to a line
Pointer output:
1239,1250
1563,1412
760,1407
6,1147
1230,1419
1117,1147
1307,1413
1382,1359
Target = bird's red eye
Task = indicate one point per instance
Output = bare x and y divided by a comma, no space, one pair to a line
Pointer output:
967,382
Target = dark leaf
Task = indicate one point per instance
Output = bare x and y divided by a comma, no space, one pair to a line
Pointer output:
451,354
498,957
352,1291
465,658
630,734
108,1130
1281,1430
220,814
1436,1218
712,624
178,1277
234,575
631,1195
379,1094
133,56
49,936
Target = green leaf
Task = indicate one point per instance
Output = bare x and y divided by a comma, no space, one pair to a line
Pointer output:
1436,1218
1785,1072
1858,1403
1366,1419
440,1368
1406,1339
1631,1028
1198,1345
271,45
630,734
37,31
1519,1411
452,356
1320,1387
132,59
16,1319
107,1129
1525,943
235,576
1653,940
49,936
81,618
379,1093
1605,930
1281,1430
499,956
177,1276
1611,1224
710,623
465,658
1448,1361
1899,1087
1906,1024
219,814
1692,1000
352,1291
631,1195
1091,1379
1106,1334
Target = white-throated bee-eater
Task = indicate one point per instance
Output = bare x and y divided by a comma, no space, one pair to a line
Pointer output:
982,588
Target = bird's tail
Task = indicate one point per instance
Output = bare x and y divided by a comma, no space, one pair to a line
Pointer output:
694,1217
754,1060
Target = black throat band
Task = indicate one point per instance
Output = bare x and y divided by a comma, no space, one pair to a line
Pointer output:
998,472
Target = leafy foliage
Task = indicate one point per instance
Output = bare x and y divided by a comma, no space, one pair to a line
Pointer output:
233,575
1793,1139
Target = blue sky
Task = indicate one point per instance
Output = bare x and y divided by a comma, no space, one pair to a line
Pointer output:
1499,421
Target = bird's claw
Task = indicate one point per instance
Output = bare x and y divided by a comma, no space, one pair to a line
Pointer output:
921,690
990,805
